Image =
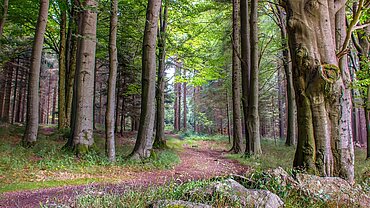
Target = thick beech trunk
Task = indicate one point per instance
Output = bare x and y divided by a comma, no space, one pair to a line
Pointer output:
236,70
322,139
144,140
110,113
159,141
83,124
32,121
253,117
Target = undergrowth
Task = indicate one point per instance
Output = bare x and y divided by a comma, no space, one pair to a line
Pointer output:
47,164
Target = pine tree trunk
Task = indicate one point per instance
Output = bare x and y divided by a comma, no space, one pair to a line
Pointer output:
83,125
15,93
253,117
62,117
3,16
110,113
144,140
236,70
32,121
2,94
8,92
159,141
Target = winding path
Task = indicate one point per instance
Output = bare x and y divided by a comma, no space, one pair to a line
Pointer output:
196,163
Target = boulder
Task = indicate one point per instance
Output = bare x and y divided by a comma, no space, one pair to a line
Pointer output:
333,190
236,193
178,203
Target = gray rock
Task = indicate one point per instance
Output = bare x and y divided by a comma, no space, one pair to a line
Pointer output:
333,190
178,204
235,192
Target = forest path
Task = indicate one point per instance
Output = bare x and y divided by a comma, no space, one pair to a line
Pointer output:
199,161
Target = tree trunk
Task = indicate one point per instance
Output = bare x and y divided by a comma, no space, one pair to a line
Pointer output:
291,137
319,88
8,93
110,113
184,112
32,120
346,157
281,99
245,65
54,108
236,70
2,94
159,141
83,125
15,89
253,117
144,140
3,17
62,117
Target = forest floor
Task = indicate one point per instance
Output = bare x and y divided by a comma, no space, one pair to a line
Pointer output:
198,160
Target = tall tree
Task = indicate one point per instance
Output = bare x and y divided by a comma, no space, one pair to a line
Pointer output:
236,70
110,113
184,112
83,124
3,16
319,86
291,137
245,61
144,141
32,121
253,117
159,141
62,117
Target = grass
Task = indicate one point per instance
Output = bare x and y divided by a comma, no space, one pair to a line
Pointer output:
46,165
144,198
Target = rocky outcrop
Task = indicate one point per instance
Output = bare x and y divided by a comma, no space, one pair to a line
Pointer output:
178,203
238,194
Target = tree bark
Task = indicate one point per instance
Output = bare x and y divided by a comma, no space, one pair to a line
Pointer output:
245,66
253,117
3,17
319,88
83,125
110,113
344,157
291,137
159,141
15,89
32,120
236,70
62,117
184,112
144,140
8,93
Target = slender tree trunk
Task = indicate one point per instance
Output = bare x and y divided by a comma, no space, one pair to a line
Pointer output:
184,112
55,95
20,99
83,126
159,141
62,104
367,122
291,137
110,113
8,91
236,70
144,140
245,65
281,99
3,17
253,117
2,94
344,157
15,93
32,122
228,117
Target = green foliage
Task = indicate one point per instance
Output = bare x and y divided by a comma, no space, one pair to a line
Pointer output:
47,163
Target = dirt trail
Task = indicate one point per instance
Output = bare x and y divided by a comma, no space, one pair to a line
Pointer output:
196,163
